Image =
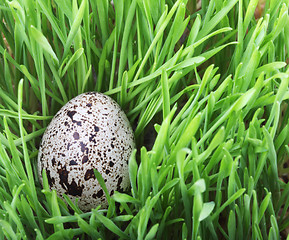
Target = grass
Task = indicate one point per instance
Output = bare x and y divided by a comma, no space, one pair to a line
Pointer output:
205,89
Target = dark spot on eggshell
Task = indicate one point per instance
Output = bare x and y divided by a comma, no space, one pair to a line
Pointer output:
63,176
71,114
74,189
89,174
96,128
68,146
111,163
57,114
107,171
119,181
92,138
76,135
83,147
72,162
53,161
51,180
85,159
99,193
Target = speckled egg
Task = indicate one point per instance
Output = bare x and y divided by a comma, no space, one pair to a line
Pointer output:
89,132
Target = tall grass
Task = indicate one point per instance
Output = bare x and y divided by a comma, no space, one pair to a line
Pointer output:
206,90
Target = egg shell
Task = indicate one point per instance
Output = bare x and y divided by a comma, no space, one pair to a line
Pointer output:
89,132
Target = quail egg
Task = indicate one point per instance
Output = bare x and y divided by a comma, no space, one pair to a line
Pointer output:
89,132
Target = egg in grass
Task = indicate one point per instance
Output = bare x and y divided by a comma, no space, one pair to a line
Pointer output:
89,132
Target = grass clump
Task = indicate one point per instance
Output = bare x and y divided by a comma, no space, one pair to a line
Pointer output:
205,85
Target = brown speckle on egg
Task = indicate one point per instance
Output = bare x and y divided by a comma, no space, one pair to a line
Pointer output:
89,132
